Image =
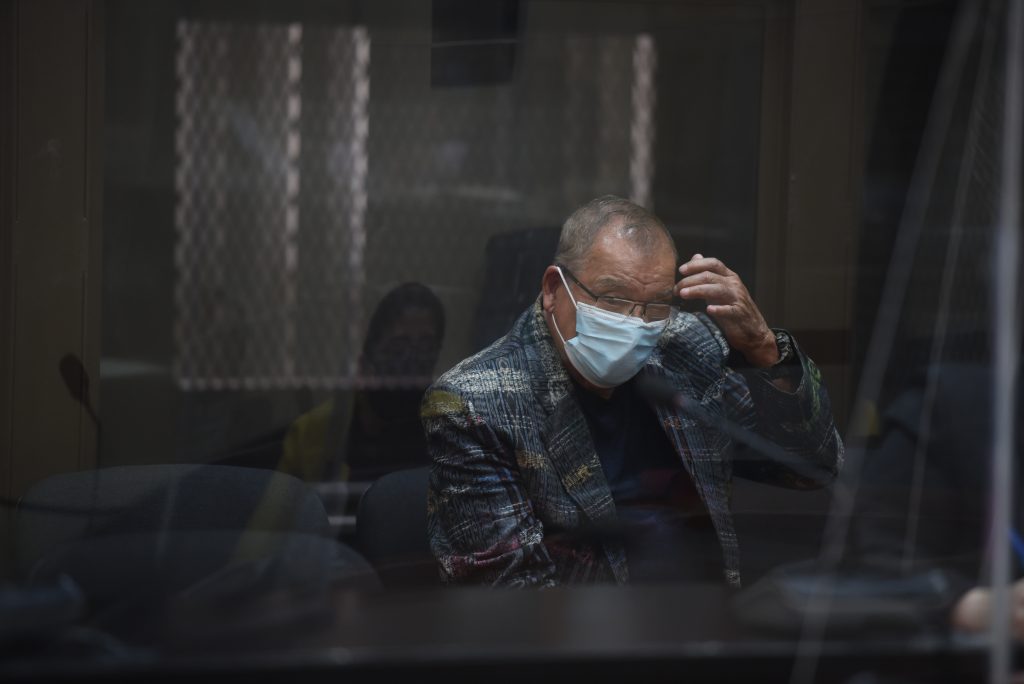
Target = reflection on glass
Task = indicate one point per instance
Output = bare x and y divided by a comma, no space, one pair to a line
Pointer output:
312,212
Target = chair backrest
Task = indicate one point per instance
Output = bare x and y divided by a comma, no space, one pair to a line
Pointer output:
514,262
132,536
391,530
161,498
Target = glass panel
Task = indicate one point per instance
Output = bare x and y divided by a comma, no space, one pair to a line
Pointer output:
342,388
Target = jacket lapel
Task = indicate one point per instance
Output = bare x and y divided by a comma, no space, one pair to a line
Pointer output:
575,459
569,446
683,430
701,456
573,456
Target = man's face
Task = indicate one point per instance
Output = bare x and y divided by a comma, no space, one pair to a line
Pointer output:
613,267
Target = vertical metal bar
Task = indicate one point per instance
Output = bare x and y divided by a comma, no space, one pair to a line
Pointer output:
183,145
1006,336
293,189
641,130
358,152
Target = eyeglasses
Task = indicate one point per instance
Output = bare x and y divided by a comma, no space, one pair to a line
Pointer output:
649,311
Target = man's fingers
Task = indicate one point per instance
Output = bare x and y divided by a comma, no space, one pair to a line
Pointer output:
699,263
722,310
714,292
729,312
701,278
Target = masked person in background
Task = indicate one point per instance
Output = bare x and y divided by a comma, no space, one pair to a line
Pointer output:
554,462
364,433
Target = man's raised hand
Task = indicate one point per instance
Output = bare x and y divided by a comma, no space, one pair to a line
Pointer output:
729,303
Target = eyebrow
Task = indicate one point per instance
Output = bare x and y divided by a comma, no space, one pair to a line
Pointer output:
609,283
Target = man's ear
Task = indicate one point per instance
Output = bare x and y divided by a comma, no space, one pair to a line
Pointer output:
550,282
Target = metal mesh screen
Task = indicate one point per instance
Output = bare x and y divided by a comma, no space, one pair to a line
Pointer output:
270,203
293,218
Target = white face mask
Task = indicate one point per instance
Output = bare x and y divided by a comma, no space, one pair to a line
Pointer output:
608,349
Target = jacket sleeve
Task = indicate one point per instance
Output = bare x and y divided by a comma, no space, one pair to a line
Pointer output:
800,422
481,523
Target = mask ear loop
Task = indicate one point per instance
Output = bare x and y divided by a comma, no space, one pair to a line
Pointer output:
575,305
568,291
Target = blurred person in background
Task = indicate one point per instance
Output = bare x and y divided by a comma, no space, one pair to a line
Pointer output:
374,429
925,489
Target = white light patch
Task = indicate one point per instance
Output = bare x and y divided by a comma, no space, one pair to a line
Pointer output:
641,130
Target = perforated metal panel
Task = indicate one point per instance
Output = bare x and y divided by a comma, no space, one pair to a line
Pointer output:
295,215
270,204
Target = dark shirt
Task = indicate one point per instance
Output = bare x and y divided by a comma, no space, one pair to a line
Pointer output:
664,525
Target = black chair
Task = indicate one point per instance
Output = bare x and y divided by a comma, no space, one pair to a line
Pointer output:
514,262
143,499
391,530
137,535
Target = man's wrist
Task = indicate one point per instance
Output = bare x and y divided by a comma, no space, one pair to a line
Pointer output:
783,361
766,354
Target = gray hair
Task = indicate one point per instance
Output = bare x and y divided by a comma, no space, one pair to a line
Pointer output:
637,225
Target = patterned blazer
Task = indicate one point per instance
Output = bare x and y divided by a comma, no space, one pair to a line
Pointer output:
516,482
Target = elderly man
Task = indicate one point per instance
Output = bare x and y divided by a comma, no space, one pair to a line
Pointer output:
554,460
